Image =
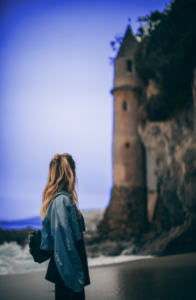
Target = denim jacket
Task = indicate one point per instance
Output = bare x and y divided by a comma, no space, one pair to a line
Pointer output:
59,231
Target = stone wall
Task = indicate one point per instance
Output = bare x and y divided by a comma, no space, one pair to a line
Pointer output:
128,152
126,214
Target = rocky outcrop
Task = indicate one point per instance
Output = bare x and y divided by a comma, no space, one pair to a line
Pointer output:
18,236
125,215
105,248
194,99
172,144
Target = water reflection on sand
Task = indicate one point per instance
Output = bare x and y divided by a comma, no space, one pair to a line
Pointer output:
165,278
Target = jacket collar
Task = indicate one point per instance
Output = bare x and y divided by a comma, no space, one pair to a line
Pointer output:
62,192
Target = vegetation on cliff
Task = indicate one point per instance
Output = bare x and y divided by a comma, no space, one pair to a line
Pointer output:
167,55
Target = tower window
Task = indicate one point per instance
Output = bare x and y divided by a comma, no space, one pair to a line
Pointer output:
129,65
127,145
124,105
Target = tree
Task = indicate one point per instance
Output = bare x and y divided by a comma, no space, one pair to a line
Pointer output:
166,54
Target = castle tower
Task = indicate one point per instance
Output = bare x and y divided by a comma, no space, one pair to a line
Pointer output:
126,213
128,160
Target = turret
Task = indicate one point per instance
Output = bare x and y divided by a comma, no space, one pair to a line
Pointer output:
128,152
125,74
126,213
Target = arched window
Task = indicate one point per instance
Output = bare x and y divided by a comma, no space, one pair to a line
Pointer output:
124,105
129,65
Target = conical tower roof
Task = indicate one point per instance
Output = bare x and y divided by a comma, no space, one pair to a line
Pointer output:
128,43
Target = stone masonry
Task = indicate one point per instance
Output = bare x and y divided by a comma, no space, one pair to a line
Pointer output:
126,214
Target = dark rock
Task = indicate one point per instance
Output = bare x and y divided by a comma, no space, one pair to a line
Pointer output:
92,238
18,236
189,156
109,249
155,130
93,250
126,214
174,152
190,171
105,248
180,239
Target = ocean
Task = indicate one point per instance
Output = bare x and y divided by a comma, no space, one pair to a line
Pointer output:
91,217
15,259
35,223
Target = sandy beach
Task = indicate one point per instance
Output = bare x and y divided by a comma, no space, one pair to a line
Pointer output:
162,278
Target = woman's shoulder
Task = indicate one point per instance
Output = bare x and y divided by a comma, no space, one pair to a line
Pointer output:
59,210
62,198
60,203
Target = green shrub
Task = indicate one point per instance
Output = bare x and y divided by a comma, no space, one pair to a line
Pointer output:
168,56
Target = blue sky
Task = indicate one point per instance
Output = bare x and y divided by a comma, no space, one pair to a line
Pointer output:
55,83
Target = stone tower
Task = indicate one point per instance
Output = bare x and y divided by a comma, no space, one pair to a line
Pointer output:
126,213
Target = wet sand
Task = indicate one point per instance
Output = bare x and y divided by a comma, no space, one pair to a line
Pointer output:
163,278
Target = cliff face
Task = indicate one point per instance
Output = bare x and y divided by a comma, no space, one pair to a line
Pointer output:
172,144
194,98
166,125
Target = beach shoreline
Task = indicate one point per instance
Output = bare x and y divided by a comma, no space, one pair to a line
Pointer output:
160,278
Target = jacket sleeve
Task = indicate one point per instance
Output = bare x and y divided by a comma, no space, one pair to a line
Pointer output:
66,256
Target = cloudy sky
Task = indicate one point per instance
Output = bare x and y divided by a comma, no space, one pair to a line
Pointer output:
55,83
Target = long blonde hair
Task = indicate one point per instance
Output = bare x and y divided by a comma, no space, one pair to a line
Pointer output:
61,175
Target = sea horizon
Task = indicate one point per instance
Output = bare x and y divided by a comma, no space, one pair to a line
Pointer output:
36,221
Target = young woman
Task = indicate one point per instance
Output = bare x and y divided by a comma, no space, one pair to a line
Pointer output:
62,231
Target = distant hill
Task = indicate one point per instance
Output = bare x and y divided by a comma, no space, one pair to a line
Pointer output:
35,222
